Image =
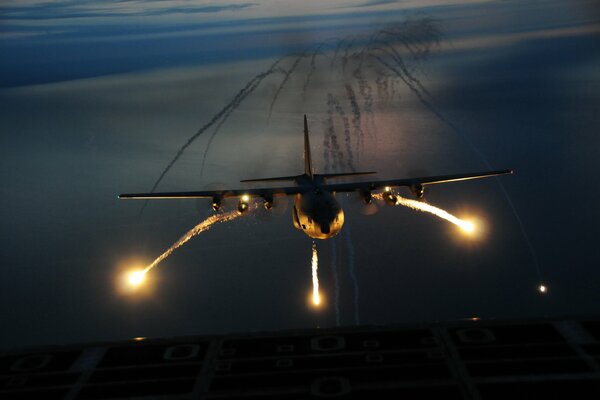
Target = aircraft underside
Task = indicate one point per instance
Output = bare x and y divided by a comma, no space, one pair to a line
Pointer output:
318,214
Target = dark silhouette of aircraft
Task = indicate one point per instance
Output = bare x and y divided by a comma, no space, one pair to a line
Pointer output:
316,211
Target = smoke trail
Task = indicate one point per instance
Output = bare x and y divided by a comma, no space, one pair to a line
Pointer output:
347,139
346,51
337,50
393,88
422,32
215,118
356,119
406,82
352,272
381,82
336,153
391,51
414,51
482,159
365,91
354,106
313,67
201,227
316,297
326,145
223,120
336,281
288,73
416,36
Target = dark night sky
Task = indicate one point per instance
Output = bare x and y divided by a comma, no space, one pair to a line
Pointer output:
97,97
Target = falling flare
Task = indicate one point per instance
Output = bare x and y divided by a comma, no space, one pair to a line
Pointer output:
137,277
467,226
316,297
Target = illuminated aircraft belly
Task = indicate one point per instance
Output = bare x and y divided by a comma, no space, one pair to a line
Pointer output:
318,214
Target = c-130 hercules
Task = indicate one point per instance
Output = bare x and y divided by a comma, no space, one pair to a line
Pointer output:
316,211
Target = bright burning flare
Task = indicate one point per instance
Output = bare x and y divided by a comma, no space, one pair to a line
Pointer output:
316,298
543,289
466,226
136,278
201,227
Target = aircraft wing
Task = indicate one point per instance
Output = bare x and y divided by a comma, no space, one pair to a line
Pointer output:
423,181
226,193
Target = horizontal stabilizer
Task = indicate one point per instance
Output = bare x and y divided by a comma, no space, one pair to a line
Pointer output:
276,179
344,174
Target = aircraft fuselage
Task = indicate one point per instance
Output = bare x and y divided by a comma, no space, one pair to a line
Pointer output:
317,213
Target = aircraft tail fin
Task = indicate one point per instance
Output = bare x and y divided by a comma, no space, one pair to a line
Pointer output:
307,160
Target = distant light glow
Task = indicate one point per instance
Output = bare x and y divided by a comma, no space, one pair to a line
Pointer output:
316,297
543,288
245,198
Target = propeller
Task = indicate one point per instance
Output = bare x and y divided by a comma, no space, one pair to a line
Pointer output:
364,203
418,192
278,207
204,206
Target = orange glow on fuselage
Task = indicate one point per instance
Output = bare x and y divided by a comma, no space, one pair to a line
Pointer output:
318,214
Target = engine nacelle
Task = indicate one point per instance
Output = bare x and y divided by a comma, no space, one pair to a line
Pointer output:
216,203
243,204
366,196
268,202
390,197
418,191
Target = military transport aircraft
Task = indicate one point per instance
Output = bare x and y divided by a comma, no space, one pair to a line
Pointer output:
316,211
